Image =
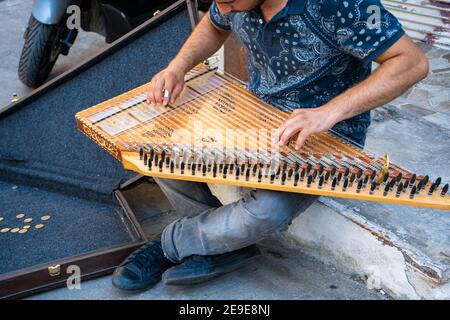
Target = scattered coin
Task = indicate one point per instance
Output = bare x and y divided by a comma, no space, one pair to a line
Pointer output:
14,230
14,187
23,230
39,226
28,220
1,218
27,226
4,230
20,216
45,218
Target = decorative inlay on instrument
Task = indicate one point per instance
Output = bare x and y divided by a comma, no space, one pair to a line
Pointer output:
219,132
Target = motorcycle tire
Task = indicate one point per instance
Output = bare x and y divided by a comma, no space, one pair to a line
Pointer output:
39,54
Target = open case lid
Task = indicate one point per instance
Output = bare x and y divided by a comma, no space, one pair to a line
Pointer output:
48,167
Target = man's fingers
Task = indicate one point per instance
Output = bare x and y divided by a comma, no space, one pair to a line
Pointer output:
302,136
288,133
176,92
280,131
158,90
168,90
150,93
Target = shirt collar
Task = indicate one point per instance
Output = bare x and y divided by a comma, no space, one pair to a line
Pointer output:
296,6
292,7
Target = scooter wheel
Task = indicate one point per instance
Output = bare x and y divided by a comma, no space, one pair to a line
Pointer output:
39,53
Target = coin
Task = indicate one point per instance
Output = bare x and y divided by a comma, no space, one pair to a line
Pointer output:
27,226
20,216
28,220
4,230
14,230
39,226
45,218
23,230
1,218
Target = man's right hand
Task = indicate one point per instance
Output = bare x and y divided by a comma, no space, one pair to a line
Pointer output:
170,79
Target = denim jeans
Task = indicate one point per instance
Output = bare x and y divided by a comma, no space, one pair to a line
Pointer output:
208,227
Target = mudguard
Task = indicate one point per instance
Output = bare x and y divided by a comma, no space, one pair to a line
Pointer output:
50,11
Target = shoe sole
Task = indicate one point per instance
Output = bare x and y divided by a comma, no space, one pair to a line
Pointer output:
138,287
206,277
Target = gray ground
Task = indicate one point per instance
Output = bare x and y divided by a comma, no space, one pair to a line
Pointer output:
283,271
14,15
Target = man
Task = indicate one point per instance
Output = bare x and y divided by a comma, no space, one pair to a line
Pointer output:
312,57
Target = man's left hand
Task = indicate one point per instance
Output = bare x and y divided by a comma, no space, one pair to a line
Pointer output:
304,122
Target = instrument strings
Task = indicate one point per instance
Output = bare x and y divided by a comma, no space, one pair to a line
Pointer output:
217,88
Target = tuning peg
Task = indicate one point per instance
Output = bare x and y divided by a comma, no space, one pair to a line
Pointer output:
321,179
399,178
272,177
345,184
254,169
302,174
373,186
333,171
413,192
432,188
438,182
290,173
372,176
399,189
339,177
385,177
309,181
346,172
327,176
386,189
444,190
182,166
359,186
333,183
352,178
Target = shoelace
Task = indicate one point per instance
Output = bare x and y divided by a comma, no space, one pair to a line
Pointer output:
144,255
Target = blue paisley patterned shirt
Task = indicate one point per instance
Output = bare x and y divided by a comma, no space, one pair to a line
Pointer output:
313,50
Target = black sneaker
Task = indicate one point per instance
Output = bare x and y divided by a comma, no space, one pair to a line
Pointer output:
142,269
196,269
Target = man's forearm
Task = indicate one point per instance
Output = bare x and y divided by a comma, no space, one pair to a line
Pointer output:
393,77
201,44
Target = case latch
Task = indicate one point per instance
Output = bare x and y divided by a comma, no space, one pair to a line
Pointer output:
55,270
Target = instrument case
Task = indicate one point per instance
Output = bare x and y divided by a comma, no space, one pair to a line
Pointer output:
48,167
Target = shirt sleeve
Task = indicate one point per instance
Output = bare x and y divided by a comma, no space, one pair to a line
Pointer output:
365,29
220,20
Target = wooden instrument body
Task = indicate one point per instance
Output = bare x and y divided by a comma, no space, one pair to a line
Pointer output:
219,132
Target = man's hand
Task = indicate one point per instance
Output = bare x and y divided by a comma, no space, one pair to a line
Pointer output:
304,122
166,86
202,43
